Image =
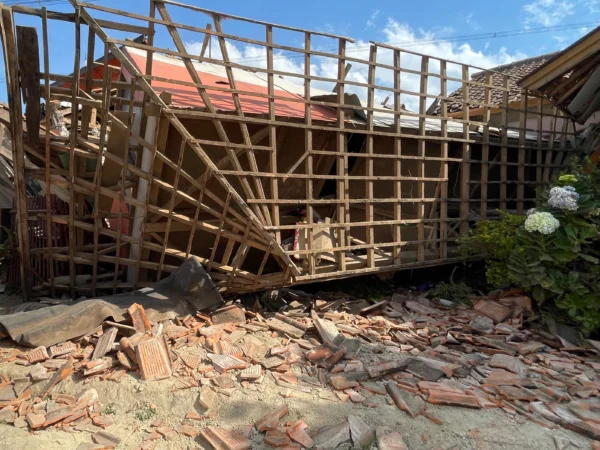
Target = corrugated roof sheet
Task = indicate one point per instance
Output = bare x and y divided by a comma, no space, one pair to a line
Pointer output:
211,74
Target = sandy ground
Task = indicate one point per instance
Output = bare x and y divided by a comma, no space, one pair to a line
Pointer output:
130,398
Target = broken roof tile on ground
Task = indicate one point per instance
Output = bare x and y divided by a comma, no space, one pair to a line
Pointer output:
476,368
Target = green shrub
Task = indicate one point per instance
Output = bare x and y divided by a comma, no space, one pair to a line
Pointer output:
454,292
554,253
494,240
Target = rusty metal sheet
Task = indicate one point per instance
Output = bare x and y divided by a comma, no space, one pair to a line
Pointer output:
185,291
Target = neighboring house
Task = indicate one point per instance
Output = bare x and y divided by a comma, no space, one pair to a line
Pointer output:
517,70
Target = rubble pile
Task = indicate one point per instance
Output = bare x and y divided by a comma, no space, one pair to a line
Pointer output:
419,354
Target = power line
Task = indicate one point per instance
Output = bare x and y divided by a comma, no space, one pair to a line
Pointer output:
467,37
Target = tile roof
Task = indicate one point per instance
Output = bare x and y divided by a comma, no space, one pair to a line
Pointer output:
516,70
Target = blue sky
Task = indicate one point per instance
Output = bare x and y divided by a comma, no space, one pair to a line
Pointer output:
459,31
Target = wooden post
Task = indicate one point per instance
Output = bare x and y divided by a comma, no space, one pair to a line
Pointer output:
18,152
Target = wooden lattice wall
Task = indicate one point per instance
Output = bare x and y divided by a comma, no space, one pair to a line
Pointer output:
264,197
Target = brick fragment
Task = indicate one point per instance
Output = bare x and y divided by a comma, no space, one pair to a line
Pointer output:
192,360
453,399
62,349
332,436
342,382
57,415
297,431
103,421
168,433
138,318
506,362
35,420
225,439
36,355
389,440
412,404
126,361
7,415
277,438
105,343
154,358
495,311
152,436
187,430
223,363
386,368
270,421
361,433
206,397
229,314
253,372
104,438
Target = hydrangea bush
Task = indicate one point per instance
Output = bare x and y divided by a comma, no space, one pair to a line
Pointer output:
555,253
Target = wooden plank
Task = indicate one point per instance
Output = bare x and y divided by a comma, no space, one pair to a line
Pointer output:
397,229
465,169
102,168
444,164
522,154
272,133
209,106
308,146
370,232
86,111
29,69
421,163
240,113
504,146
47,158
9,51
485,147
124,171
341,160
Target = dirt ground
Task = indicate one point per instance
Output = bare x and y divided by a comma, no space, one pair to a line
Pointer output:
129,402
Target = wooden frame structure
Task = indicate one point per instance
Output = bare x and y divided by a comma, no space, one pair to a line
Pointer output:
267,184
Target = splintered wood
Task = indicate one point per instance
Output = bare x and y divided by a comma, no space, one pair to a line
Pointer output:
264,178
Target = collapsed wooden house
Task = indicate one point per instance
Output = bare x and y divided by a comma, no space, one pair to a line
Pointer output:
270,177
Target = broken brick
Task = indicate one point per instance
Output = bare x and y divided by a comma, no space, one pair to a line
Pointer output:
206,397
270,421
153,358
277,438
36,355
453,399
342,382
35,420
386,368
253,372
225,439
228,314
389,440
187,430
138,318
105,343
412,404
169,434
495,311
62,349
297,432
361,433
103,421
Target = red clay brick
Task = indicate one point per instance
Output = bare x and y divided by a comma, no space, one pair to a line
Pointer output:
270,421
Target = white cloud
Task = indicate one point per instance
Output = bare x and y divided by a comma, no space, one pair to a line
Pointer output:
394,33
548,12
372,19
472,22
